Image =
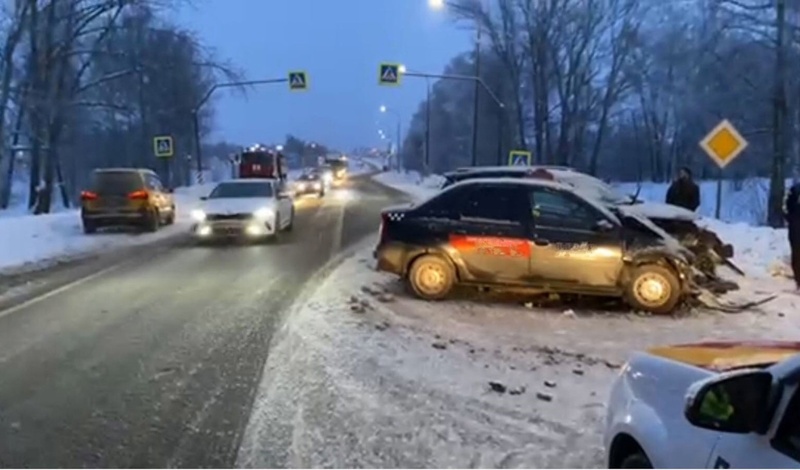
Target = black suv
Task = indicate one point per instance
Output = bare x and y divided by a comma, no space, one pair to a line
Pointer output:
536,235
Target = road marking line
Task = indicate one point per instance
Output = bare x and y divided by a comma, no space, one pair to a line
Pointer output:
57,291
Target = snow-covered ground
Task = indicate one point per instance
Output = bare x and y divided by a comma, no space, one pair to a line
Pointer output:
364,375
30,241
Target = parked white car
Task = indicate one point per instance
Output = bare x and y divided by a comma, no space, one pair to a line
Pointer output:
251,208
707,405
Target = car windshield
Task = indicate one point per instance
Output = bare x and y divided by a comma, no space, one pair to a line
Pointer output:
309,177
241,190
117,182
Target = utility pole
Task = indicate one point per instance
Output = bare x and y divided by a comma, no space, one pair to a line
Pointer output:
477,97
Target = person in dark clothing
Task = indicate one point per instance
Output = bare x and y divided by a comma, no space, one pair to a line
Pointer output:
791,210
684,192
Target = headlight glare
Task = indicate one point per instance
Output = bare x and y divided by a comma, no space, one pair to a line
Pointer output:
264,213
199,215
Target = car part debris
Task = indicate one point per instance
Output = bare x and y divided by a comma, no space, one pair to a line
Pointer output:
708,300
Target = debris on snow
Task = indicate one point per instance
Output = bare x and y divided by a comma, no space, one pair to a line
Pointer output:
544,396
497,387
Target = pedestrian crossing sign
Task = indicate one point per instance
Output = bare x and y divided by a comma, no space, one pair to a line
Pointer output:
162,146
298,81
519,158
389,74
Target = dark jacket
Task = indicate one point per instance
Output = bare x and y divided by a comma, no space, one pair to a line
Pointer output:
684,193
791,206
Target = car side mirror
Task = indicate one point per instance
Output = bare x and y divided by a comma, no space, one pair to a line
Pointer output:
603,226
736,402
204,198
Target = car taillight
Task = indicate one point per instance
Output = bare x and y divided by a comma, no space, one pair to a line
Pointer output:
138,195
88,196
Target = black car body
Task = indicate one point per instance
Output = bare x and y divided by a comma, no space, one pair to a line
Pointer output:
707,246
309,183
531,234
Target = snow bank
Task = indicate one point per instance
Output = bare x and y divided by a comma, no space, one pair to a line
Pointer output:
411,183
30,240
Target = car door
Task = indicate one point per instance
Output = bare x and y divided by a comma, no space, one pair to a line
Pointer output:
490,233
573,242
781,450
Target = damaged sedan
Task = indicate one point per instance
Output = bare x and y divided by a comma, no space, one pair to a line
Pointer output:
709,250
532,235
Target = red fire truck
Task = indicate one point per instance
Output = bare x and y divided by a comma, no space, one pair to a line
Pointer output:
261,162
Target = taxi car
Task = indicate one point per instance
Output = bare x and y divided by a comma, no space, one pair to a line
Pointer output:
681,223
126,196
531,234
245,208
725,404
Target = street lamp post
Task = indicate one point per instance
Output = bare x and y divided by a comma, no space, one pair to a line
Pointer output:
426,157
206,97
479,82
384,109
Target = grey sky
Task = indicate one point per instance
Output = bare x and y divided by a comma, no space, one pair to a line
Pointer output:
340,44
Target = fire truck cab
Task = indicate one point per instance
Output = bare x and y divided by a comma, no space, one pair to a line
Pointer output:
261,162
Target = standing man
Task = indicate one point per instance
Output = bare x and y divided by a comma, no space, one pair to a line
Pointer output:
684,192
792,211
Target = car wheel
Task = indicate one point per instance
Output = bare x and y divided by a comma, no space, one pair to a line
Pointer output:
431,277
171,218
636,460
152,221
653,288
89,227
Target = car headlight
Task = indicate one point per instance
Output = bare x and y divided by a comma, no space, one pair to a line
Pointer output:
301,186
199,215
317,186
264,213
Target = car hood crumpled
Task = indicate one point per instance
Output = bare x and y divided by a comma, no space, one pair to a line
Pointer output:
720,356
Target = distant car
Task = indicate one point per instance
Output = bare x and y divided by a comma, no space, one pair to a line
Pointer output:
246,208
535,235
679,222
309,183
126,197
720,404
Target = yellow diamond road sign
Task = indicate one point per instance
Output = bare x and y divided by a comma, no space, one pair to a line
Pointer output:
724,143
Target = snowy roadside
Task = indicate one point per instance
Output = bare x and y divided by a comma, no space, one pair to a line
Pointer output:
362,375
35,241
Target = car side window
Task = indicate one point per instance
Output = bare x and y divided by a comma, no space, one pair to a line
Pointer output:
787,439
553,208
443,206
493,204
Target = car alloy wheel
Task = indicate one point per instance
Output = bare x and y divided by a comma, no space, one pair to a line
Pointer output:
431,277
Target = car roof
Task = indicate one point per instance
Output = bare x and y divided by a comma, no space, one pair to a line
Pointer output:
248,181
125,170
513,169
